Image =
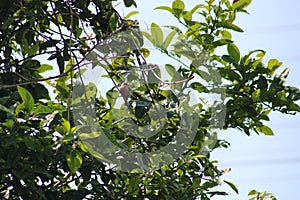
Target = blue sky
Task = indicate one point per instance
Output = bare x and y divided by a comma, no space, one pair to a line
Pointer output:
258,162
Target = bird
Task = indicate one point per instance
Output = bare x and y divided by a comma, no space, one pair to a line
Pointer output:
125,91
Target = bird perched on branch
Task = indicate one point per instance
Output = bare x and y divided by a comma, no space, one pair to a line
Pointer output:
125,91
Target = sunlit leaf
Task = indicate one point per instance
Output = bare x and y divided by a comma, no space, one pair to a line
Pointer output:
131,14
169,39
187,16
178,7
74,161
230,25
148,36
157,34
164,8
44,67
274,64
265,130
256,95
241,4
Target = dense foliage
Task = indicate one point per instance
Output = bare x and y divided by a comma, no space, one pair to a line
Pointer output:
44,154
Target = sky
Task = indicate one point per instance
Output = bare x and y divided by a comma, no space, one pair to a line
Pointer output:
260,162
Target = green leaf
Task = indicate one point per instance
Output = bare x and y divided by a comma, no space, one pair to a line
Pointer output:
226,35
233,52
27,99
274,64
227,58
292,106
294,93
262,83
44,67
41,109
113,21
199,87
157,34
111,138
129,3
61,63
252,192
164,8
221,42
219,193
3,108
174,28
178,7
241,4
230,74
171,70
131,14
148,36
256,95
92,135
32,64
187,16
66,124
32,143
197,7
74,161
283,74
265,130
168,40
281,95
230,25
153,77
145,52
232,186
112,97
133,185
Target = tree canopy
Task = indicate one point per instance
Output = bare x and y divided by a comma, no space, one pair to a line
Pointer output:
63,135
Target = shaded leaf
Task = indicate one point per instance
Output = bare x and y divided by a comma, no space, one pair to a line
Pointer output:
171,70
232,186
199,87
3,108
233,52
27,99
61,63
129,3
